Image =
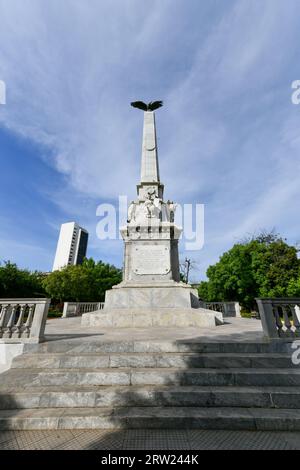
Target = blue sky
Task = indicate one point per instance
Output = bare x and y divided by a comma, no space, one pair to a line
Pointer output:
229,135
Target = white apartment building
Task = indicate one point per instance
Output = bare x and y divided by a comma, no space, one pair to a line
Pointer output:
71,246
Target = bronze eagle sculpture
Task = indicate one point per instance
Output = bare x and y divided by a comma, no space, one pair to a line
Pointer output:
147,107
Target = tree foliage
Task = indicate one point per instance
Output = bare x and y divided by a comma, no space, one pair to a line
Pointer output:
293,289
262,266
15,282
83,283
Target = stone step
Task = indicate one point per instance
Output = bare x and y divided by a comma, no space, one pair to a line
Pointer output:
78,346
152,376
151,418
74,396
153,360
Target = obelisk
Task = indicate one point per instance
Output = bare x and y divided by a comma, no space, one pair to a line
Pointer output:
151,293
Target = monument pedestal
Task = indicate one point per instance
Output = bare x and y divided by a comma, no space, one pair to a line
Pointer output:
152,317
164,304
151,293
168,294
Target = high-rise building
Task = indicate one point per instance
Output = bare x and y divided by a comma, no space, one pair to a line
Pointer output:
71,246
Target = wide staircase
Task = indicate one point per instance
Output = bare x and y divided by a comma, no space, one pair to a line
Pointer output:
152,384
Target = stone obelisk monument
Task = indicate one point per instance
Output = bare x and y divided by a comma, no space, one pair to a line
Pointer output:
151,293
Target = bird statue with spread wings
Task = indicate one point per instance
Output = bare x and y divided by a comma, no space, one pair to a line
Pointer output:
147,107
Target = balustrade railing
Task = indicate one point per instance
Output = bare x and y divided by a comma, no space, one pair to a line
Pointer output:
75,309
280,317
228,309
23,320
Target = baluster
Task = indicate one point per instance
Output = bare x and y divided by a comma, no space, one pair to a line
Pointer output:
18,331
278,320
286,319
8,330
29,320
3,318
296,320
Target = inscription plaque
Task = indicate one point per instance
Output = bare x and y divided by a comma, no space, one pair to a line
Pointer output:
151,260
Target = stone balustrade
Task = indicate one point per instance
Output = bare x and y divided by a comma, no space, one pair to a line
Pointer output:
228,309
280,317
75,309
23,320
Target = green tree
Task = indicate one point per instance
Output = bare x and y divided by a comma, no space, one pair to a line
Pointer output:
15,282
83,283
293,289
71,283
263,266
274,266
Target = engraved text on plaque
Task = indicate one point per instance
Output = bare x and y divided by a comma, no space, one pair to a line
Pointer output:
151,259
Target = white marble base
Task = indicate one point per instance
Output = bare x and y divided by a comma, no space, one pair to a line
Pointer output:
167,294
161,304
152,317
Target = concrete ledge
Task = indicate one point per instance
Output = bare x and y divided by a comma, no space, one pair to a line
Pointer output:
151,418
8,351
152,317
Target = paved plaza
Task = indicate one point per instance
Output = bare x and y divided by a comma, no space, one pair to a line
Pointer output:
141,439
234,329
